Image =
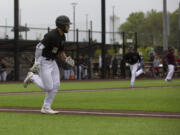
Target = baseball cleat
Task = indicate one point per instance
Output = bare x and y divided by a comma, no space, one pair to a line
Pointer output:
48,111
167,80
131,86
27,80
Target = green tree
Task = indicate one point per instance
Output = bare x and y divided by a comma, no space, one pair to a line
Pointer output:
154,27
134,23
174,37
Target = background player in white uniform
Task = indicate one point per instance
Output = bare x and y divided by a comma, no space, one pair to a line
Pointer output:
171,63
133,59
3,73
45,72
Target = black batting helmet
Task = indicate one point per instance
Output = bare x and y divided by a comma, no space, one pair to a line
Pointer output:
171,49
131,47
61,21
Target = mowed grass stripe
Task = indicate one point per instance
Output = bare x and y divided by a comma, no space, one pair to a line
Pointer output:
90,85
38,124
162,99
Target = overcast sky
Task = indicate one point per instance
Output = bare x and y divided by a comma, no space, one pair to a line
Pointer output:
42,13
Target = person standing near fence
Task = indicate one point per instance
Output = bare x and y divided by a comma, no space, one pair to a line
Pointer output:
45,72
133,58
115,66
156,63
3,73
171,63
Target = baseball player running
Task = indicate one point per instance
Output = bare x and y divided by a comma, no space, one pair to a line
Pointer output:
133,58
171,63
45,73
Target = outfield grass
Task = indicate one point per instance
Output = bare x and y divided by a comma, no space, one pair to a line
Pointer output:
89,85
155,99
38,124
161,99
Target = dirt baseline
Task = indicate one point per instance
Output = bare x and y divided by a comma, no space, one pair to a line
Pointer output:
95,112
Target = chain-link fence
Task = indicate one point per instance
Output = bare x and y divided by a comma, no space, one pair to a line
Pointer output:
87,52
32,33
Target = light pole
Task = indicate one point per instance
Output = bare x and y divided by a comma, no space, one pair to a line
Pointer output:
5,34
74,21
165,26
103,34
179,18
179,24
87,37
113,21
16,39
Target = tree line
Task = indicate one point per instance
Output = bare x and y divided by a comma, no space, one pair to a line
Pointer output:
149,27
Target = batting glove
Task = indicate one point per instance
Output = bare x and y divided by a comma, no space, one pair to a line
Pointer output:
35,68
69,61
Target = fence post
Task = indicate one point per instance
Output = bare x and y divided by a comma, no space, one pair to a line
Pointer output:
89,60
26,31
16,39
48,29
77,53
136,41
123,68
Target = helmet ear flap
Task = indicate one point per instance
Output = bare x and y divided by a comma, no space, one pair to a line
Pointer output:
63,28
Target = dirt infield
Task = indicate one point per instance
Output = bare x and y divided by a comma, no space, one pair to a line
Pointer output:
86,90
96,112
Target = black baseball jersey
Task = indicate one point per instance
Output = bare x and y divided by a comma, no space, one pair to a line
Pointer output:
132,58
54,43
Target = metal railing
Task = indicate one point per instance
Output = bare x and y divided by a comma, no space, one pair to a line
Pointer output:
34,33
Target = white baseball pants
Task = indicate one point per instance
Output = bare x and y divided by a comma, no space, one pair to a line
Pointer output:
66,74
134,72
48,78
85,74
3,76
80,70
170,72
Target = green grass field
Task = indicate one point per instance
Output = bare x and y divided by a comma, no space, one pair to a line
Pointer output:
90,85
154,99
149,100
37,124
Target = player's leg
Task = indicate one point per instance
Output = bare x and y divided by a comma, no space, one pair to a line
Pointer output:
31,77
54,82
80,70
133,74
4,75
35,78
170,72
85,73
68,74
38,81
139,72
